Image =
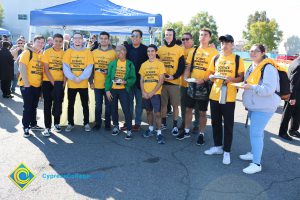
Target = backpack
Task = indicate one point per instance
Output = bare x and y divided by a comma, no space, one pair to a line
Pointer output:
284,83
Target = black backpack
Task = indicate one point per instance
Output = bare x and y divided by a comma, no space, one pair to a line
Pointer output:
284,83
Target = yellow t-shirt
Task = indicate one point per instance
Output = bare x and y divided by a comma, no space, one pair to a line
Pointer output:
202,60
101,61
34,68
225,66
170,57
78,61
54,60
151,71
183,83
120,74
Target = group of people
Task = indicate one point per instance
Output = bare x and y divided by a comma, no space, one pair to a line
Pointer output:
153,77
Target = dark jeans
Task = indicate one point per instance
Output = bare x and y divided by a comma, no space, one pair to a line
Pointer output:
84,96
5,87
31,97
137,94
53,98
99,94
123,95
219,112
290,113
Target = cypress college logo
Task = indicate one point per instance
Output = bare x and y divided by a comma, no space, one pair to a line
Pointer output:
22,176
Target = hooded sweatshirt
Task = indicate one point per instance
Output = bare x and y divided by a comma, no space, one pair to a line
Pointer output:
262,97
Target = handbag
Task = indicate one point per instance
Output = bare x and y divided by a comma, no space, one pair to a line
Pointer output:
199,91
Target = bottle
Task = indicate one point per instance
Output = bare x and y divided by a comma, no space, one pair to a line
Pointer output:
223,94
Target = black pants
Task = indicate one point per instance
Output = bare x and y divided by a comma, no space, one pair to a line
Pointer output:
290,113
123,96
84,96
53,98
5,87
219,112
31,97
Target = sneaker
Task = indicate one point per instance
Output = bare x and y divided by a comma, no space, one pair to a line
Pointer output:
175,131
163,127
294,134
148,133
128,135
57,128
96,127
87,128
170,113
214,150
115,131
247,156
200,140
69,128
226,158
183,135
160,139
252,169
36,128
26,133
136,128
123,128
46,132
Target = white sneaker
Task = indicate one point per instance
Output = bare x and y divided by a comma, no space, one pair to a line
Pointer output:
247,156
69,128
87,128
46,132
226,158
214,150
252,169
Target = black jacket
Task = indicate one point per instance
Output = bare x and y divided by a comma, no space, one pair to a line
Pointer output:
6,65
294,76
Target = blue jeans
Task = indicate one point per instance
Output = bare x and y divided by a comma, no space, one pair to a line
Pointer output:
99,94
258,122
122,95
14,83
137,93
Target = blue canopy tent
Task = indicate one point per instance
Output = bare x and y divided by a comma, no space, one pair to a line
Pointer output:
95,15
4,32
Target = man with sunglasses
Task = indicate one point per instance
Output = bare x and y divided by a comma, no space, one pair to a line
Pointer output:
103,55
187,42
172,56
136,53
77,66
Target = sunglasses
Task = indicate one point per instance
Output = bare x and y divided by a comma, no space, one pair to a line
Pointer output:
185,39
135,36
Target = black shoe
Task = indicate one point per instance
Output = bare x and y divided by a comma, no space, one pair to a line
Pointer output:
7,96
200,140
160,139
286,137
96,127
180,136
36,128
294,134
26,133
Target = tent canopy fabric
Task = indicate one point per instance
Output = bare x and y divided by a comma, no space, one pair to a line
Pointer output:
93,13
4,32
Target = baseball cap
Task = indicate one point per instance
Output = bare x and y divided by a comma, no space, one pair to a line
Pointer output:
226,38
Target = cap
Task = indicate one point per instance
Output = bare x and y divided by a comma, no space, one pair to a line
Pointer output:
226,38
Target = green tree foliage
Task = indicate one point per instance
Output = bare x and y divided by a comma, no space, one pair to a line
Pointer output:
260,29
203,20
1,15
292,45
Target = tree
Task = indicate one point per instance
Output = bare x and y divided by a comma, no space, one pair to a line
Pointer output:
202,20
292,45
260,29
1,15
